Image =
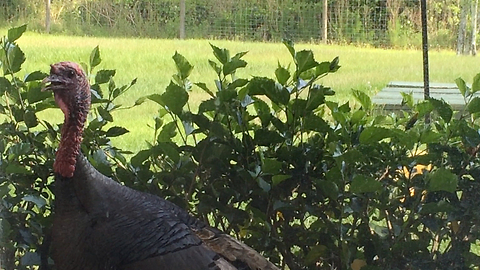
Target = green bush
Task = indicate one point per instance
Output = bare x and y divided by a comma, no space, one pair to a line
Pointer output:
310,183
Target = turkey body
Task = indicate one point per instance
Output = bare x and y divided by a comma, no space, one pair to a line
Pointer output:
102,225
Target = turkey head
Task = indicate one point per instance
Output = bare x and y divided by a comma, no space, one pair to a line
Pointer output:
71,89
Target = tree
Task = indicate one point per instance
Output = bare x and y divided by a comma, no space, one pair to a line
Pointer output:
473,48
462,29
394,8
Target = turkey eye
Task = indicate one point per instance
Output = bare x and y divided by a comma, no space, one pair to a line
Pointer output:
71,73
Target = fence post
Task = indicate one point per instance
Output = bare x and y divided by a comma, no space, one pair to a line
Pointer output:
426,76
47,15
325,21
182,19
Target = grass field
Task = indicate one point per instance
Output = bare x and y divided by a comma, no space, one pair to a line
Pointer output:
148,60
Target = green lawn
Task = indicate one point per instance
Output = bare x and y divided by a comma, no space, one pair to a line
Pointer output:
149,60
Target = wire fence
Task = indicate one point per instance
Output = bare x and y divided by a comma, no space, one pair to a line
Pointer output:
375,22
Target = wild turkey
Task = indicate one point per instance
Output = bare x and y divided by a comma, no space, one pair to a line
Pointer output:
100,224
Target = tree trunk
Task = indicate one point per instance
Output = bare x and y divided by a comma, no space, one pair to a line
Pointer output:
325,21
473,47
462,28
393,7
182,19
47,15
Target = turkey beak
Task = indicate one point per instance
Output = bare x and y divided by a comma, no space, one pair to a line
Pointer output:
53,79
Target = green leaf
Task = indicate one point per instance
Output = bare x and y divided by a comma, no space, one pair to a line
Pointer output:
20,149
437,207
363,98
17,169
5,85
474,105
174,98
204,87
140,101
158,123
263,111
267,137
35,93
442,179
271,165
104,76
238,83
231,66
105,114
217,130
239,55
264,185
407,99
35,76
201,121
424,107
316,97
170,151
16,58
140,157
304,61
357,117
329,188
289,45
279,178
208,105
476,83
268,87
374,134
156,98
469,135
316,254
334,64
363,184
443,108
462,86
430,136
16,32
37,200
282,75
215,67
30,119
322,68
381,231
298,107
183,66
223,55
167,133
95,58
116,131
313,122
227,96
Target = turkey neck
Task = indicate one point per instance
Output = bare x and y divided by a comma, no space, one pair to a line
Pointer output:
75,109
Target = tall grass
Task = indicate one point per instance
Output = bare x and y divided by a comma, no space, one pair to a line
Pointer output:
149,60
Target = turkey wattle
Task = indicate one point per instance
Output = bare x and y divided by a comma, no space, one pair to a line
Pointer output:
100,224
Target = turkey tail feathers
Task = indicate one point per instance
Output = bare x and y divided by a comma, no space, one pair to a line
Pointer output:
233,250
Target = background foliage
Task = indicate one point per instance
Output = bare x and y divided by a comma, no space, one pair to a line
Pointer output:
312,184
390,23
